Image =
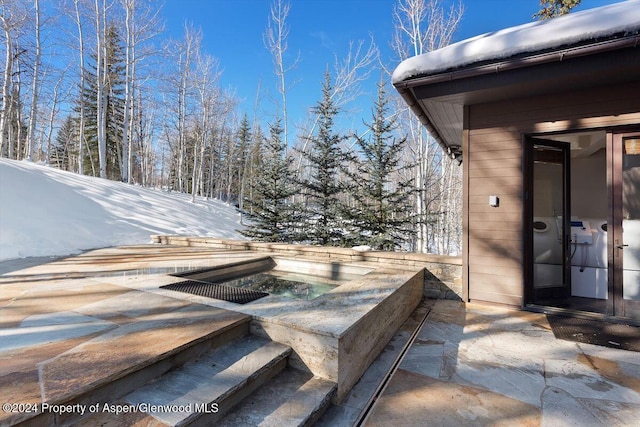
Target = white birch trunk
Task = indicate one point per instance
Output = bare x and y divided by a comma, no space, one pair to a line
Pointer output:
101,95
35,87
81,135
129,7
5,114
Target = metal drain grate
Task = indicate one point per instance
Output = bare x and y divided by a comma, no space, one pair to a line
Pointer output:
216,291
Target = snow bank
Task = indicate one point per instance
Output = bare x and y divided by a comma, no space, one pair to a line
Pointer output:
532,37
45,211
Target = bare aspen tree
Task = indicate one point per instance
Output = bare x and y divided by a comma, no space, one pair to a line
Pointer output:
7,27
55,102
35,87
143,116
353,70
81,134
249,164
207,76
12,16
129,7
102,76
275,38
188,47
422,26
141,25
17,125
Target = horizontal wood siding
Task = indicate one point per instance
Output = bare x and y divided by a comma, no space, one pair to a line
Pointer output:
495,242
494,236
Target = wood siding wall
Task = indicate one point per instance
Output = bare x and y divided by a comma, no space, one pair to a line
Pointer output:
493,137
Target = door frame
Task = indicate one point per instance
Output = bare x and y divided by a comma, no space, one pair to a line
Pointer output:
530,142
616,306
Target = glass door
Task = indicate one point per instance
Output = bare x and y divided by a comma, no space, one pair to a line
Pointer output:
550,188
624,250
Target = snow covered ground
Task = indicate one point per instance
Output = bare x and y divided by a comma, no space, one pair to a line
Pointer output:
46,212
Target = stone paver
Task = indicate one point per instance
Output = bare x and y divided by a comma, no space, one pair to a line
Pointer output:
477,365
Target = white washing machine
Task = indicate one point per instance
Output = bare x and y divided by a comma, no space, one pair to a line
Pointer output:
547,253
589,274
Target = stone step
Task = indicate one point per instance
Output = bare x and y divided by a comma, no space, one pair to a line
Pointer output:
202,391
119,361
291,398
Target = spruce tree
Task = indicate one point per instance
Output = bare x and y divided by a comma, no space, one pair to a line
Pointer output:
114,106
62,148
381,216
552,8
322,189
243,145
272,217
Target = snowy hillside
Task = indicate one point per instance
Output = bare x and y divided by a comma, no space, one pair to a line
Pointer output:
45,211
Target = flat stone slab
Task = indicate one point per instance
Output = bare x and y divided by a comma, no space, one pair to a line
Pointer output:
42,329
481,365
129,348
64,337
412,400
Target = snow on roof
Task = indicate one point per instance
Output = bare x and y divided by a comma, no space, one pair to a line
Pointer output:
532,37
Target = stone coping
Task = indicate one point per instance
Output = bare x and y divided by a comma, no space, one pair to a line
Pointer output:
331,314
405,258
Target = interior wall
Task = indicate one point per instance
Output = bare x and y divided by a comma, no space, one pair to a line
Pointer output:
548,195
589,186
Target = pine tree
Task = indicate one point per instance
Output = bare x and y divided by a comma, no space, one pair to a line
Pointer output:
272,217
381,217
115,108
553,8
62,148
322,190
242,158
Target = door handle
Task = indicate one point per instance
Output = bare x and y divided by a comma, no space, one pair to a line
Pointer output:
621,246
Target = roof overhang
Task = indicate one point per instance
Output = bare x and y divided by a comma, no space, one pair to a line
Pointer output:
438,98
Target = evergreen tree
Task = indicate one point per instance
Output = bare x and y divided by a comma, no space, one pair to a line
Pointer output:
553,8
273,218
243,144
381,217
115,108
322,190
62,148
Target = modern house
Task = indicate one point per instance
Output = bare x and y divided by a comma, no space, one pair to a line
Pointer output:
545,119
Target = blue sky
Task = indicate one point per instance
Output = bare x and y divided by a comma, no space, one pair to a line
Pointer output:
319,29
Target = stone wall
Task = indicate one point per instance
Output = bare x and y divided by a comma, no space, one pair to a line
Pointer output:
442,278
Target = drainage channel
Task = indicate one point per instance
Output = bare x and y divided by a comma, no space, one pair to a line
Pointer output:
366,411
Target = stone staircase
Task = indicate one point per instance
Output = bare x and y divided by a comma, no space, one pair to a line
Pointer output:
230,379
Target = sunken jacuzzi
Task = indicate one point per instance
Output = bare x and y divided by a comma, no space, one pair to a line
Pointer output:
335,332
246,281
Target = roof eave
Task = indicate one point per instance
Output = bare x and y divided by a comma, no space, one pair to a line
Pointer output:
536,58
454,151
